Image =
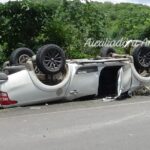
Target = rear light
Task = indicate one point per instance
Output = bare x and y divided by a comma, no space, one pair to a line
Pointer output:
4,99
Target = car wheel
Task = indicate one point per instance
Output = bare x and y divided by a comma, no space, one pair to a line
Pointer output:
141,56
20,56
50,59
107,51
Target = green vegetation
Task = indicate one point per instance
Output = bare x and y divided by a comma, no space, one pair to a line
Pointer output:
33,23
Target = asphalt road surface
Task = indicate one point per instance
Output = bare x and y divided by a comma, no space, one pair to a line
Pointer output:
79,125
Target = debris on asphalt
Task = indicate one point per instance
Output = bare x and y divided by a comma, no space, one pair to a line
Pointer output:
35,108
108,99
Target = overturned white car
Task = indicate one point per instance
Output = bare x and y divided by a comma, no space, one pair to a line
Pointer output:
49,77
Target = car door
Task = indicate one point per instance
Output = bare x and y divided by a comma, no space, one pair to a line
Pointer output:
84,82
124,79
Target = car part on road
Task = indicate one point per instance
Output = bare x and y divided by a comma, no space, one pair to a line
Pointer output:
107,51
50,59
20,56
108,99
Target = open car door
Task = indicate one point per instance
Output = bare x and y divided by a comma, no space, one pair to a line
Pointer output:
124,80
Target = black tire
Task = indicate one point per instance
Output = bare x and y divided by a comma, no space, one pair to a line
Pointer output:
141,56
50,59
20,56
107,51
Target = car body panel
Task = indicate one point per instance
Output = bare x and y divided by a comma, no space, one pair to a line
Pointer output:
81,79
124,79
84,82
